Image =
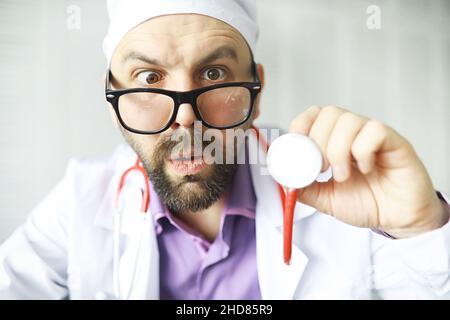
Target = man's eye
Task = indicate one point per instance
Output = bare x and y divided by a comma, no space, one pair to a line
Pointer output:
148,77
213,74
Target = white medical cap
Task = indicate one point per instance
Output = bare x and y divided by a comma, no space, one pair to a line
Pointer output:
124,15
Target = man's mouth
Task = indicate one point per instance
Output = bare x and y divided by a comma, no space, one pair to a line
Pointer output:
187,165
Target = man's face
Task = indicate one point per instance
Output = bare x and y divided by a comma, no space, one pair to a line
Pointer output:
181,53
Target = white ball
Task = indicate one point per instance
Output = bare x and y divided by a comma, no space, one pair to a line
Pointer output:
294,160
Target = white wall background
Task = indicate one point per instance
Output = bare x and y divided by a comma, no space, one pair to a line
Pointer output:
314,51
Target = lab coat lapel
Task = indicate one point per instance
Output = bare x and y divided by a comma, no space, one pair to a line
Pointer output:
277,280
139,264
129,201
104,215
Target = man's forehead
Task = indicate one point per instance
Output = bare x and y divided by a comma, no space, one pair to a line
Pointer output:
202,40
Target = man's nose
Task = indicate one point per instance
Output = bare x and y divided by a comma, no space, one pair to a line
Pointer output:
185,116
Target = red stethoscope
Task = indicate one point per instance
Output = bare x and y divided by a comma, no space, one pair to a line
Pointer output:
293,160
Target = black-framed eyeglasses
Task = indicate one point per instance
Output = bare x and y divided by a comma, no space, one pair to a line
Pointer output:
153,110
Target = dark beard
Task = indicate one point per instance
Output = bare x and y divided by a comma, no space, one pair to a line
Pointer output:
178,196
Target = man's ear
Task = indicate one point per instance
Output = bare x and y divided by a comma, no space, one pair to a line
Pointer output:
260,70
112,113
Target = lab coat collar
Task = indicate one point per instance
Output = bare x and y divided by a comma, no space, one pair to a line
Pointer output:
129,201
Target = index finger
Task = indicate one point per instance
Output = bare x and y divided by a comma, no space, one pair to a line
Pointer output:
304,121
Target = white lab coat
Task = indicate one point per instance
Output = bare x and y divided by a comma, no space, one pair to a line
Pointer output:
65,248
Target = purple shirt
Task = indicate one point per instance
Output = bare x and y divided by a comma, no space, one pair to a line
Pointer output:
193,268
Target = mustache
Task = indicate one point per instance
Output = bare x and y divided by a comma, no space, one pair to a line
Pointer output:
180,140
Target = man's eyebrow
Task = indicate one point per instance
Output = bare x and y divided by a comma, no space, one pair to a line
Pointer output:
221,52
133,55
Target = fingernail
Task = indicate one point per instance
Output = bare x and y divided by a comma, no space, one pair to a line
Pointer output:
340,172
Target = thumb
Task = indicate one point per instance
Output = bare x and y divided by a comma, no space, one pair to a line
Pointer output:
317,195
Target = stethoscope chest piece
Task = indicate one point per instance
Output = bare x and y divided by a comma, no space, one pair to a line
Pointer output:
294,160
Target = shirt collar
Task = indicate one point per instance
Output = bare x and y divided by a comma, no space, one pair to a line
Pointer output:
241,198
